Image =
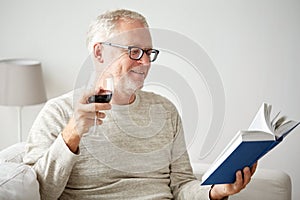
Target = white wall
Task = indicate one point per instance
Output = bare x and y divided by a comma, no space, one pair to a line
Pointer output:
254,45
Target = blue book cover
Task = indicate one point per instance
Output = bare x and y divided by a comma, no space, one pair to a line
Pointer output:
249,146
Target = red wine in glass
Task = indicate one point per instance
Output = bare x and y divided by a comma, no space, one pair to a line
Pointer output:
103,96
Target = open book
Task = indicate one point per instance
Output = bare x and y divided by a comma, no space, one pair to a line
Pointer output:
248,146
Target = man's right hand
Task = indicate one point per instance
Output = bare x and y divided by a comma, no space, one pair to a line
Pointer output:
83,118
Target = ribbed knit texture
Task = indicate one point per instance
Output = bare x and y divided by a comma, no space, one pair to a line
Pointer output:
138,153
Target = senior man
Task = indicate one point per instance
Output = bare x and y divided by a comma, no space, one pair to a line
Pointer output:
136,149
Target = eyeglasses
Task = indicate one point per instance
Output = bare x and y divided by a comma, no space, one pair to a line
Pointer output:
136,53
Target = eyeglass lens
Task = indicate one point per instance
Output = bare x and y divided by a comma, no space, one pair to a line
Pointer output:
137,53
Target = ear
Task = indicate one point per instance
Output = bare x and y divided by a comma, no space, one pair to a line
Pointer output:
97,51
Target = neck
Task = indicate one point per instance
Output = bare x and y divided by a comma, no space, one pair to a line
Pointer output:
123,98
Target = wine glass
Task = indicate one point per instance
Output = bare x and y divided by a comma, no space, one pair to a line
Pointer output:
103,94
105,91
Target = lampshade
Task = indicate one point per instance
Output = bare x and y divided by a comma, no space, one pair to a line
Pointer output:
21,82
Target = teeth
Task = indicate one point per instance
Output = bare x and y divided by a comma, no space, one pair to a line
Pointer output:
137,72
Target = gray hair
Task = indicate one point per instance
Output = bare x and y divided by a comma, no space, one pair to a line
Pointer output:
105,25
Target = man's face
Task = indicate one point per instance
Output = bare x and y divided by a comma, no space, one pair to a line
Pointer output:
129,74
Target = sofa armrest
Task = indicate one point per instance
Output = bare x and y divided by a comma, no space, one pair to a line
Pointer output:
266,184
13,153
17,180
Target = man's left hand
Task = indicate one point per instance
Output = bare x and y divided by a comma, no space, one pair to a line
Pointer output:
242,179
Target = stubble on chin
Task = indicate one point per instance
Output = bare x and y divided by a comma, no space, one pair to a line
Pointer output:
128,86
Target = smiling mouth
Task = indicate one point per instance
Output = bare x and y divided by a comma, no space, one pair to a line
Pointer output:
138,72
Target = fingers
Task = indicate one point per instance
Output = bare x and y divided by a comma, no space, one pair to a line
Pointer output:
247,176
239,183
85,96
100,115
90,111
87,115
243,177
95,107
253,168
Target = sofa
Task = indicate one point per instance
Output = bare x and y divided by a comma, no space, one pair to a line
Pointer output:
18,181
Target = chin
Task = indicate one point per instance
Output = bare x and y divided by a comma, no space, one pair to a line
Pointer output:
129,88
129,84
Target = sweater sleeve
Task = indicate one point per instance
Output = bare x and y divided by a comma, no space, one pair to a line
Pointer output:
47,152
184,184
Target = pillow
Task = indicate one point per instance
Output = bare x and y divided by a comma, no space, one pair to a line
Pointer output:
18,181
13,153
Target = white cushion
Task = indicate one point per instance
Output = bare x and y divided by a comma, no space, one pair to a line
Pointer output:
18,181
267,184
13,153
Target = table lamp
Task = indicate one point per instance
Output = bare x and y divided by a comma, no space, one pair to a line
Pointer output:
21,84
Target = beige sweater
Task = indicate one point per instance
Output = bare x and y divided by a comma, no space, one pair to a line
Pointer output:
137,153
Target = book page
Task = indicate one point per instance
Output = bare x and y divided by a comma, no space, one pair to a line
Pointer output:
261,121
256,136
285,128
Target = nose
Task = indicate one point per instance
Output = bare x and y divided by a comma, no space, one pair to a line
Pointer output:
145,59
